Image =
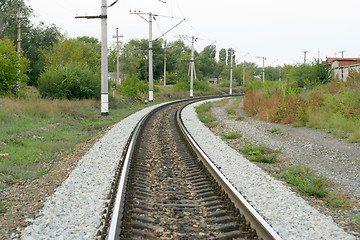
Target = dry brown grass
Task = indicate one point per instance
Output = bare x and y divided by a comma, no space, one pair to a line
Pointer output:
44,107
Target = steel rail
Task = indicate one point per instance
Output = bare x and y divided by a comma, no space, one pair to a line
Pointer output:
118,207
263,229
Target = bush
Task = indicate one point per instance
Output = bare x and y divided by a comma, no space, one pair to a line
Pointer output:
70,81
199,85
133,87
306,181
9,67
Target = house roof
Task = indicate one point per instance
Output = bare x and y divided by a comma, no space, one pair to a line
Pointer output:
330,60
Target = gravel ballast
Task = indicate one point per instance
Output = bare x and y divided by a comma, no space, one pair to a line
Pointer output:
287,213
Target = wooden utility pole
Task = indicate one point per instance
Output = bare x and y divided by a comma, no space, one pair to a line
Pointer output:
18,30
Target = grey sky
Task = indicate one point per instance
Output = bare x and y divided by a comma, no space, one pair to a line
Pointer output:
279,29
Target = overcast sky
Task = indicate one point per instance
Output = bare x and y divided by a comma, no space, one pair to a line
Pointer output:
279,30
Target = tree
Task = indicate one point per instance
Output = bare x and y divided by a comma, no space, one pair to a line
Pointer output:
207,61
8,18
13,67
83,50
34,40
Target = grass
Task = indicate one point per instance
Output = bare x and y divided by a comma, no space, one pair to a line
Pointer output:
259,153
337,199
4,206
306,181
231,109
205,115
275,131
357,220
232,135
334,106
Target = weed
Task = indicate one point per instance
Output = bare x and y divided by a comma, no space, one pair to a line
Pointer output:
250,149
264,158
232,135
357,219
306,181
337,200
239,119
275,131
206,117
4,206
231,109
212,124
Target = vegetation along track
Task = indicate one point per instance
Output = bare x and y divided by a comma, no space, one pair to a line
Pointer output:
166,192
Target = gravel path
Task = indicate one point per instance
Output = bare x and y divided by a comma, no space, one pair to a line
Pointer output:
286,211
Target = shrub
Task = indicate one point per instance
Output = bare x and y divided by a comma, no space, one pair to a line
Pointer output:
306,181
232,135
9,67
134,87
70,81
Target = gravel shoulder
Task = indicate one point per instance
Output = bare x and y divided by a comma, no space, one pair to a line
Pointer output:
330,156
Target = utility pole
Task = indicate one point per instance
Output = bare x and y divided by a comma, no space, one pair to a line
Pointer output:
305,52
104,59
18,30
151,91
151,80
231,70
342,53
118,80
164,63
192,67
244,74
192,64
263,68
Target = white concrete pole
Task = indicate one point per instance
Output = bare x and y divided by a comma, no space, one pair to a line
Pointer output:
231,71
263,70
104,61
118,82
244,74
192,69
165,63
151,92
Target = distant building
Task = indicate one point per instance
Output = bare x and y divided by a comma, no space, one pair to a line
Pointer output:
212,80
342,66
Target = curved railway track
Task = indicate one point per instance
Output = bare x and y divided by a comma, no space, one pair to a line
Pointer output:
168,189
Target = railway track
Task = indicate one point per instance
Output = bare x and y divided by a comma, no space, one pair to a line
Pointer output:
168,189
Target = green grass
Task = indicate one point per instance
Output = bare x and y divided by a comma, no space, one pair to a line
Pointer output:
239,118
231,109
232,135
264,158
204,112
259,153
357,220
306,181
275,131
